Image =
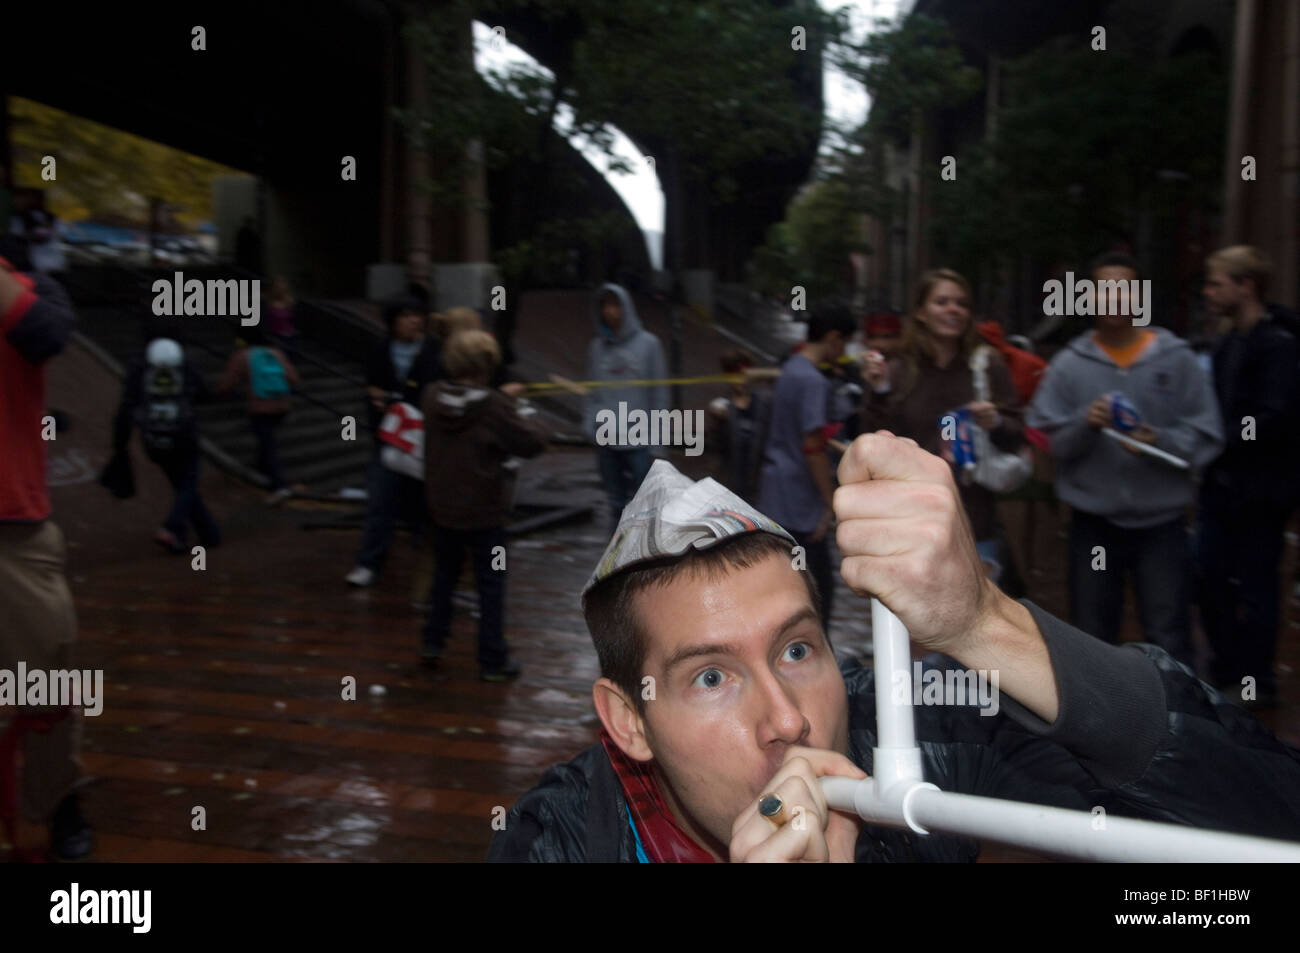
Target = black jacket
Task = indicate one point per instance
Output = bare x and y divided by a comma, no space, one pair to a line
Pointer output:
741,462
425,369
1260,383
1137,734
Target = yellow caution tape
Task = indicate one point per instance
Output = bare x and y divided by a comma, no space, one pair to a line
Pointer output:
548,386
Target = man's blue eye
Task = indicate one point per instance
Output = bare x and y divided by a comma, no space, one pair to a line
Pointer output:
709,678
798,651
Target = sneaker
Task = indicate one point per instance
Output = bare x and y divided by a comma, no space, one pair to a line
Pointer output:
279,496
168,541
70,837
506,672
360,576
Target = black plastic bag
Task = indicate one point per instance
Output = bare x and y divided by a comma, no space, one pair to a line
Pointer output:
118,477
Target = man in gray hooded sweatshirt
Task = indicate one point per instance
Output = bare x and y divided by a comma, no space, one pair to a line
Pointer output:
1129,507
622,350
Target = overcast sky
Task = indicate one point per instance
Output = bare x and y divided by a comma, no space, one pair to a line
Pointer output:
846,101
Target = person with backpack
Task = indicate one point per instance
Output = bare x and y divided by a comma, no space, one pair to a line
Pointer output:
1249,492
270,377
158,398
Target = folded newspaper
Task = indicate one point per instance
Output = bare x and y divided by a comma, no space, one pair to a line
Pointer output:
671,513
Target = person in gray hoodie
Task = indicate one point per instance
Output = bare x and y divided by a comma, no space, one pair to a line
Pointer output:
622,350
1129,507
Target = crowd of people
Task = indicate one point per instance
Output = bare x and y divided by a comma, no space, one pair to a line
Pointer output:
751,711
1200,522
1147,439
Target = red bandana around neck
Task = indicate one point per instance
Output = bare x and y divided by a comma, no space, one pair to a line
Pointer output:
663,840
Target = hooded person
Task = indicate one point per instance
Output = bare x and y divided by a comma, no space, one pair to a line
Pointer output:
719,692
622,350
471,430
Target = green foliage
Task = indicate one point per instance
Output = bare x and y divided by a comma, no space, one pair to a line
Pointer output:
823,226
906,69
544,253
709,79
1087,143
911,68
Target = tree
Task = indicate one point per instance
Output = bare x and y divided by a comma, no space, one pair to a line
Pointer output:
1086,145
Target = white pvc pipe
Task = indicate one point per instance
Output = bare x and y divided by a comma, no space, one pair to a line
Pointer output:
1053,830
897,795
896,756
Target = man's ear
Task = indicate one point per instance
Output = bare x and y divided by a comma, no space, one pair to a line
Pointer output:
619,715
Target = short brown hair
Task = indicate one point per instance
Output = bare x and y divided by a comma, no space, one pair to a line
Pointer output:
1242,262
608,607
471,355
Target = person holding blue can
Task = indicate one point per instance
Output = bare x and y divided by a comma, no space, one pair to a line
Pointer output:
1129,507
927,391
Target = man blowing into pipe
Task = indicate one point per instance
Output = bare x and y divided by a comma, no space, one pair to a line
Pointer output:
719,688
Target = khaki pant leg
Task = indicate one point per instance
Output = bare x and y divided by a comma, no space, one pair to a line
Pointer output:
38,626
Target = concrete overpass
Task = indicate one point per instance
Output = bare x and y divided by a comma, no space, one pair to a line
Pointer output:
284,90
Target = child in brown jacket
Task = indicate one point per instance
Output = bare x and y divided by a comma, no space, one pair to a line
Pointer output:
470,430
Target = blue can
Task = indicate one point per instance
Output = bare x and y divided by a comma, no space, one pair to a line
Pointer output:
959,423
1123,414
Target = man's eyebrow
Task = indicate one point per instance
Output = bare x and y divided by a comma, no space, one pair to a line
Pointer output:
687,652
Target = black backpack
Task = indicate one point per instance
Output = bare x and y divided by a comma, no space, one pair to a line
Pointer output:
165,416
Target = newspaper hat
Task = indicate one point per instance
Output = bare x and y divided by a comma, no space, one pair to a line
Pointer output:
672,513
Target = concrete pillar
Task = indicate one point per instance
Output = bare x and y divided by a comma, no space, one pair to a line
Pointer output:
466,276
416,206
388,148
1264,122
477,244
